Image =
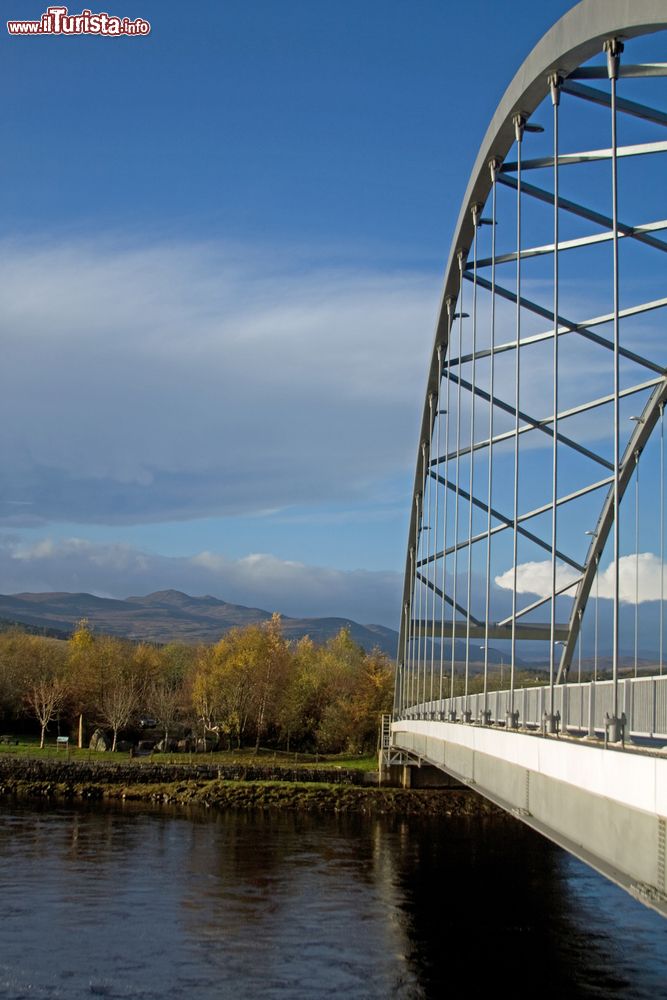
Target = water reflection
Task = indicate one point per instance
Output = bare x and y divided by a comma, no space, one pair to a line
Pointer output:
124,902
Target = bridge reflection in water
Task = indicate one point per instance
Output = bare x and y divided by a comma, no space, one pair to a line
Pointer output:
544,405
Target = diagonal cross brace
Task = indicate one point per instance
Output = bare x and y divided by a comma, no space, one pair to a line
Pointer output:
506,520
585,213
575,244
628,107
537,338
563,415
433,557
586,156
542,600
535,424
434,587
595,338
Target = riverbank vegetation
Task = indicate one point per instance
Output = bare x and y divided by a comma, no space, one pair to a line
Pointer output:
319,797
252,689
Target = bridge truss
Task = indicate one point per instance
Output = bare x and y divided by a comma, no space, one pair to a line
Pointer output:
530,539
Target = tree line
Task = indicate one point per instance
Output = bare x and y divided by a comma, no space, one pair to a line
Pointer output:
251,688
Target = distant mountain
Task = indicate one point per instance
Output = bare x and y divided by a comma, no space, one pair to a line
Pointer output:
169,615
51,633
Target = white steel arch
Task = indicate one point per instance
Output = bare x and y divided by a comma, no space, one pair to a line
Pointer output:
477,419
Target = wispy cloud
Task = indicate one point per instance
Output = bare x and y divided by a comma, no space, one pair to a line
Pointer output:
175,381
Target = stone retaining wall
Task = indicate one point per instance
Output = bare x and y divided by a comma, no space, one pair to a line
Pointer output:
108,772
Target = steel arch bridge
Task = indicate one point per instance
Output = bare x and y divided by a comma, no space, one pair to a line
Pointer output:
530,540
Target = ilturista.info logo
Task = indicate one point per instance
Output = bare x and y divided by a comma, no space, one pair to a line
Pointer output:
58,21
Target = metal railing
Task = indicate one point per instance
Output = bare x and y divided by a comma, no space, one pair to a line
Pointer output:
583,708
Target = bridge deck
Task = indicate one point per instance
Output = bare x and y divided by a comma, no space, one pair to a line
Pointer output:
606,806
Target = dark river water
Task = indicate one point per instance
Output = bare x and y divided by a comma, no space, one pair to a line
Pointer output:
158,904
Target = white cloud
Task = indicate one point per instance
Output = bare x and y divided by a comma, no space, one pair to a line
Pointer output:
535,578
649,578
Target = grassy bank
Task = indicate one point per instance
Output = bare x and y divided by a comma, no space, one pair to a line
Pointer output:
223,781
30,749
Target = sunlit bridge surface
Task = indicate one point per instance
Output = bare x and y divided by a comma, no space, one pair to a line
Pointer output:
537,535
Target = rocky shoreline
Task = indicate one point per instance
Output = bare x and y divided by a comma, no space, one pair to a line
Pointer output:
127,783
110,771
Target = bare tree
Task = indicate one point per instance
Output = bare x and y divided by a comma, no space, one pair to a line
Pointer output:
45,697
164,702
118,702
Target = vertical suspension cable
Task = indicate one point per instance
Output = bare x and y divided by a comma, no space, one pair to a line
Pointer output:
493,166
398,689
450,324
580,642
436,519
411,608
662,528
418,558
518,128
597,604
636,562
475,219
406,625
427,466
554,84
415,612
410,602
458,465
444,519
423,615
400,663
613,49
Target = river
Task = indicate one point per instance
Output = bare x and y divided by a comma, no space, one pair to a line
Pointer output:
128,902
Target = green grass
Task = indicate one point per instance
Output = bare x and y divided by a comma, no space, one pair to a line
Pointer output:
29,747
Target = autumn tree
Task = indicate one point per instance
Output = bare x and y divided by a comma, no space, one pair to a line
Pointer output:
176,662
372,697
235,665
13,644
233,680
204,691
251,685
303,698
348,690
82,674
340,663
145,665
270,669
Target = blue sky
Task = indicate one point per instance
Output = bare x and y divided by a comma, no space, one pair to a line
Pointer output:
220,263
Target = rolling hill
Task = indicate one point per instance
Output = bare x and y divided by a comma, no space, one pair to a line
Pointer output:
169,615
